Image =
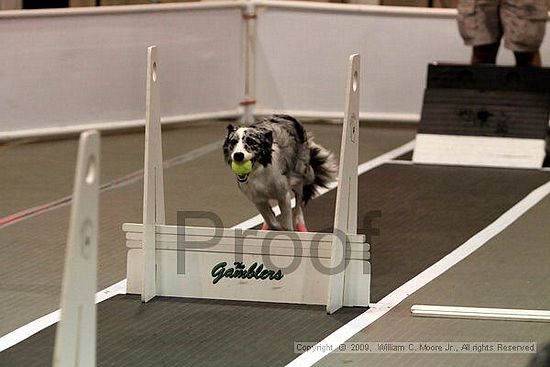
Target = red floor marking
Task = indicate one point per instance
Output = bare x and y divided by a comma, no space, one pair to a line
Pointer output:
122,181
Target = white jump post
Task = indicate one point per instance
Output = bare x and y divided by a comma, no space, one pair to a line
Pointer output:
153,188
249,57
345,215
250,265
75,339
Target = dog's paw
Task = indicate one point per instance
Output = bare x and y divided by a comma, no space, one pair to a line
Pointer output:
301,227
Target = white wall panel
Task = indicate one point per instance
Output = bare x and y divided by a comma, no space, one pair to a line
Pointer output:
302,51
71,67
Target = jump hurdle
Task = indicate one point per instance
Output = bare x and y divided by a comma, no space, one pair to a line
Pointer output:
330,269
75,339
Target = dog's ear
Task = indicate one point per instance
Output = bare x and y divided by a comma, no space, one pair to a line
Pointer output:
230,128
226,143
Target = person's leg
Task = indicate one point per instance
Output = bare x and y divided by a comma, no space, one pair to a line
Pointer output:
479,26
528,59
524,25
485,54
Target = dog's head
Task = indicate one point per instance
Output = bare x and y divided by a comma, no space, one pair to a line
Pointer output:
248,144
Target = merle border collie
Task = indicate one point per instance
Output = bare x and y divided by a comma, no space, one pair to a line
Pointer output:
285,162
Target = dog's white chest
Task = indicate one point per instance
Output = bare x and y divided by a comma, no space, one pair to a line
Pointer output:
264,184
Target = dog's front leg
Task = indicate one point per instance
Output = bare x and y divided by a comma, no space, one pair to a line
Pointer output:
298,211
269,217
286,212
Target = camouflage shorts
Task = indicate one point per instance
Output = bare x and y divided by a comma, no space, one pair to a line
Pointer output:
522,23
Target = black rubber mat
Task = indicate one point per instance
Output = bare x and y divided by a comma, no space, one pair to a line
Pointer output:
486,77
413,216
418,213
485,113
486,101
189,332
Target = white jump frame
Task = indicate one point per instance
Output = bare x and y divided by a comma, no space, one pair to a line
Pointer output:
75,339
156,248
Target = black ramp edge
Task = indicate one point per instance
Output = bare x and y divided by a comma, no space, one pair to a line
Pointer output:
405,157
485,113
489,77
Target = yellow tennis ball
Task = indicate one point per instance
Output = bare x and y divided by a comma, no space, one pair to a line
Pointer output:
241,168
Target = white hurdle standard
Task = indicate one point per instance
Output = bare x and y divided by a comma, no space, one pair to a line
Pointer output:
75,339
249,265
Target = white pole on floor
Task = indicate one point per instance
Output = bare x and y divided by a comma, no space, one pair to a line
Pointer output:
75,339
153,183
345,215
480,313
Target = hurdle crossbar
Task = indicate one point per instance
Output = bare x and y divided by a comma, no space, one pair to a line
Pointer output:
330,269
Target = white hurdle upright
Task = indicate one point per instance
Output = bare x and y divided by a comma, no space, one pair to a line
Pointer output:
345,214
250,265
75,339
153,187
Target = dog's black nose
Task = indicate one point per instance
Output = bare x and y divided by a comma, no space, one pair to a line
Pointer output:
238,157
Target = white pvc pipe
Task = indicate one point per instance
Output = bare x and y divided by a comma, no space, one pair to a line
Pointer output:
481,313
374,116
358,8
115,125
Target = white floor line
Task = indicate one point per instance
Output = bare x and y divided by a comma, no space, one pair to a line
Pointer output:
404,291
22,333
37,325
386,157
114,184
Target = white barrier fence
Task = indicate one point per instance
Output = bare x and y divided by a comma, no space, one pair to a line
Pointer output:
75,69
299,46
